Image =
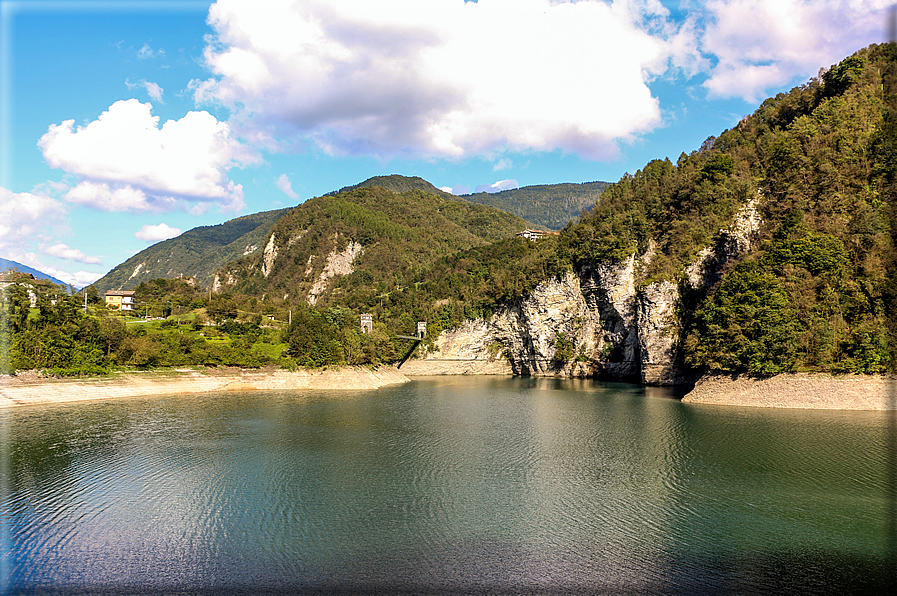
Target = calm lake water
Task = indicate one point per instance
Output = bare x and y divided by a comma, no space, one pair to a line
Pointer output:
444,485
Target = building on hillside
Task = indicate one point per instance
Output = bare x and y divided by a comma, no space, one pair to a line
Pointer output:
27,281
6,280
121,299
536,234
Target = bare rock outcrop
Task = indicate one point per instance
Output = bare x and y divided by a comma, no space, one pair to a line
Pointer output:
338,263
602,320
541,334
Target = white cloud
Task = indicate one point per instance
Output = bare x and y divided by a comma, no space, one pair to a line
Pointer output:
764,44
497,186
152,89
157,233
447,189
146,51
284,184
63,251
439,78
502,164
26,218
447,78
125,162
79,279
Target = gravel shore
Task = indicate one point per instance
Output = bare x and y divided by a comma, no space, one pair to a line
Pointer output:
804,390
432,366
800,390
27,387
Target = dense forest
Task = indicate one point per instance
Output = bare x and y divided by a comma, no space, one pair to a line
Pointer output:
548,206
813,293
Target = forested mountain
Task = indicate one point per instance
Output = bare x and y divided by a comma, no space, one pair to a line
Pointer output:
372,237
548,206
201,251
196,253
398,183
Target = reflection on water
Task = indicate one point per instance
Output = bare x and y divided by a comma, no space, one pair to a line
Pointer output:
443,485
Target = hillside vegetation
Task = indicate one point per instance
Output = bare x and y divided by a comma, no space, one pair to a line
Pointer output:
400,236
196,253
814,293
548,206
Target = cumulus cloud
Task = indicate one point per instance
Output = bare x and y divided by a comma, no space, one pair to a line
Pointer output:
63,251
284,184
26,218
157,233
763,44
440,78
125,162
447,78
497,186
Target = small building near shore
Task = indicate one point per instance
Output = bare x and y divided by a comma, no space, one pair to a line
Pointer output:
121,299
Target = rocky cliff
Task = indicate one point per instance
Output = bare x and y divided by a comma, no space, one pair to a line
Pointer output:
601,320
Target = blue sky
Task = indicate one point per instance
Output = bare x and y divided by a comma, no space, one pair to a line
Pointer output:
124,123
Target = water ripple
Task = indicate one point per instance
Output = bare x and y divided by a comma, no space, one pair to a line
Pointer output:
470,485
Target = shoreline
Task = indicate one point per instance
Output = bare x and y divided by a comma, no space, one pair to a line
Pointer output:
817,391
28,388
807,391
437,367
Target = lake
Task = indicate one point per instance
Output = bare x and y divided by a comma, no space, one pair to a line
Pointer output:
444,485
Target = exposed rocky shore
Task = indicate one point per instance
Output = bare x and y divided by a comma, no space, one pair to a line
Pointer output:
418,368
29,388
803,391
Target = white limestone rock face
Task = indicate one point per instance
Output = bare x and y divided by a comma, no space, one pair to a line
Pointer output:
609,290
738,238
534,328
473,340
527,332
657,330
338,263
270,255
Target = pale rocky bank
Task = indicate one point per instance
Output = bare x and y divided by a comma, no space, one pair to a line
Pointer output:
29,388
799,391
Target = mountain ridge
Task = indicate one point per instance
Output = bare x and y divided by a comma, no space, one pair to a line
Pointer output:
196,253
190,255
7,264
